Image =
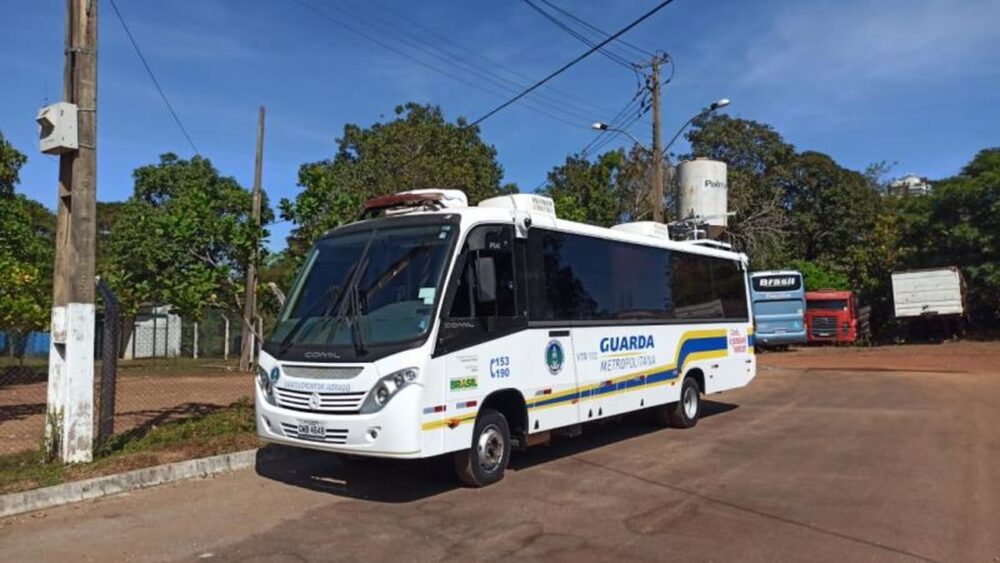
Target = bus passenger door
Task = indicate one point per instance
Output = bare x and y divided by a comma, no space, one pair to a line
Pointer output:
552,393
481,329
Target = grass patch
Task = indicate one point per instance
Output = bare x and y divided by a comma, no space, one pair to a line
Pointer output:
223,431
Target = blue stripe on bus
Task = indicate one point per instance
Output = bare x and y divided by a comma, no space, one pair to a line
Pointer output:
694,345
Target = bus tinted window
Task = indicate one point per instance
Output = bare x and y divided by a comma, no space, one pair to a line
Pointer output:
495,242
588,278
591,279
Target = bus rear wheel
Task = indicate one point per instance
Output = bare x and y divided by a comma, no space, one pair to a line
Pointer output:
484,463
683,413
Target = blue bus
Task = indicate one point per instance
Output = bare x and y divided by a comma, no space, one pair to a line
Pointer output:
779,304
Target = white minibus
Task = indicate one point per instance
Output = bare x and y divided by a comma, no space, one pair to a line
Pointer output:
433,327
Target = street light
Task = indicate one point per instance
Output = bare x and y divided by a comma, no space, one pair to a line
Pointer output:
658,158
600,126
714,106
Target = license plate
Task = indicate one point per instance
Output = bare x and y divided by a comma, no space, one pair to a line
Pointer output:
311,430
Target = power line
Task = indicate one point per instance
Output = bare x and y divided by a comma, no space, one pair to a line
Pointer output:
387,28
520,76
573,62
152,77
570,15
550,113
579,36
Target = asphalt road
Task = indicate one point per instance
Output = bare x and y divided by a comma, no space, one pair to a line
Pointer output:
804,465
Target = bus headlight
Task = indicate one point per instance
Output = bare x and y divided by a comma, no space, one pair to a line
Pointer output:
386,388
267,381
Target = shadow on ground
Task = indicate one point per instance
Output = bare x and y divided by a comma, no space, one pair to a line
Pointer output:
401,481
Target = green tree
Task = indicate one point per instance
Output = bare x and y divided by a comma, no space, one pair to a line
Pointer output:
958,224
586,191
416,150
832,209
184,238
25,251
11,161
759,163
821,276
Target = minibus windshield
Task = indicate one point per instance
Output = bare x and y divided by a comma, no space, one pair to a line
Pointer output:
366,288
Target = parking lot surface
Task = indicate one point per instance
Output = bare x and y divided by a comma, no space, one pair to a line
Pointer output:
822,458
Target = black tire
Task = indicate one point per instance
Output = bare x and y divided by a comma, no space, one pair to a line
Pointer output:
479,466
682,414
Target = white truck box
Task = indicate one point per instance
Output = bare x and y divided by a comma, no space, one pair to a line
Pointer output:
934,292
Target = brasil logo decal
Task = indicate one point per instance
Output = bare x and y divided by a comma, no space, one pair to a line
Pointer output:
554,357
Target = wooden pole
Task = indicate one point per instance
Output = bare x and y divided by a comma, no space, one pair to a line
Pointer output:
69,420
248,344
656,193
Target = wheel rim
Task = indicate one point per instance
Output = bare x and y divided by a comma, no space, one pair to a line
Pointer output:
690,402
490,448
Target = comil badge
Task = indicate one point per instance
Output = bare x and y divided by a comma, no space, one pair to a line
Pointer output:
554,357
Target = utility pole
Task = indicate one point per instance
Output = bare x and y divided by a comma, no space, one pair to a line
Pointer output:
656,193
69,428
250,295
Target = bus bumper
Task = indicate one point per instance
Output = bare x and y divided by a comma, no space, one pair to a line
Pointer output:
780,338
391,432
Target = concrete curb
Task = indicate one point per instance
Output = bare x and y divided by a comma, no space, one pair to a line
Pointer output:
78,491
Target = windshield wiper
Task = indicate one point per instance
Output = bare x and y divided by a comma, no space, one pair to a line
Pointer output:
352,279
357,333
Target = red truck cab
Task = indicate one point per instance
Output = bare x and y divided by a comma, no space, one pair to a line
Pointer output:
834,316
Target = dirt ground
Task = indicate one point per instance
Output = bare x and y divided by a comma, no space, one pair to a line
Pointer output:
146,395
954,357
831,454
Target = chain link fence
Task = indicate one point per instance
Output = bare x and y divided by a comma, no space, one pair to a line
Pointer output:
164,368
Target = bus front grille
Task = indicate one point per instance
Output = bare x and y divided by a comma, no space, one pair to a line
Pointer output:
308,401
824,326
331,436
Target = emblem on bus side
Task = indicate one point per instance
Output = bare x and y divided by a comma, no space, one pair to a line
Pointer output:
554,357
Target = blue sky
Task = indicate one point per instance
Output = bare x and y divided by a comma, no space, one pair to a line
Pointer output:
910,81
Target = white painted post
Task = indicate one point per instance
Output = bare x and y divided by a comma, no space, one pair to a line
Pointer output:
196,340
69,428
225,345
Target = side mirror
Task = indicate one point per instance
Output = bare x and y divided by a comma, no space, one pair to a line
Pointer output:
486,280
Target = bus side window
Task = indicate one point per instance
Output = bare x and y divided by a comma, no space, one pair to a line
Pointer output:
485,246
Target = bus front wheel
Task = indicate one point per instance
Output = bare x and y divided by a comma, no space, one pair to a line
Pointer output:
484,463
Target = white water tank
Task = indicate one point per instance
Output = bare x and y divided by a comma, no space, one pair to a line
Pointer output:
703,190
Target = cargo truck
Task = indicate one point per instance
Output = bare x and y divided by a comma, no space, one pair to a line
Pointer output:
938,292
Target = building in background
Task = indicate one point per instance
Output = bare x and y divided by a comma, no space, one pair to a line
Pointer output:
911,184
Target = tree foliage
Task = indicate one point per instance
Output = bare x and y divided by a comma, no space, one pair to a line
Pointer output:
613,188
184,238
417,149
25,251
958,224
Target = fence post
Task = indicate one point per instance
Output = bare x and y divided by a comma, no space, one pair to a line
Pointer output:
195,343
109,364
225,346
153,353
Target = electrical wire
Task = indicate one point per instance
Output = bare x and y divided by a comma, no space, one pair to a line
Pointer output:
520,79
582,38
149,71
572,120
570,15
385,28
571,63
